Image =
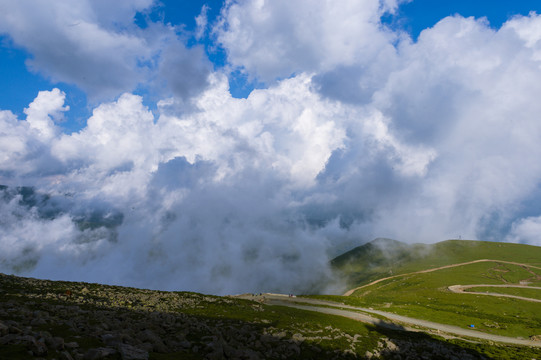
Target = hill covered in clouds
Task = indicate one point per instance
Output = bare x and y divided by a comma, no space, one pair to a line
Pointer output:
355,131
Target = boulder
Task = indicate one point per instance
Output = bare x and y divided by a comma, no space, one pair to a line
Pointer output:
71,345
128,352
111,339
4,329
37,348
150,337
10,339
98,353
64,355
56,343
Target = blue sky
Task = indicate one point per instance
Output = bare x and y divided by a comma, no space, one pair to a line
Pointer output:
418,15
235,148
20,85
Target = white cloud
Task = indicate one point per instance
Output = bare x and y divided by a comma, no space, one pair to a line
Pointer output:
68,44
527,28
423,141
286,128
46,108
25,144
468,92
201,22
409,160
270,39
527,230
244,157
97,46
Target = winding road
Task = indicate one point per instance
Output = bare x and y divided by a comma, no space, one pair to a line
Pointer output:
397,322
461,290
349,292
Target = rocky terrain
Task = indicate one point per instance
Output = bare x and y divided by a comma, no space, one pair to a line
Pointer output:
42,319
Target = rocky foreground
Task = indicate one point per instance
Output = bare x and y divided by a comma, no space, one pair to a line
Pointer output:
42,319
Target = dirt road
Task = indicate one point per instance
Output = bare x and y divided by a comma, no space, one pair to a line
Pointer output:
462,288
395,323
349,292
399,322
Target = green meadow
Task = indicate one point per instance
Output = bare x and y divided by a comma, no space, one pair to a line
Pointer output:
384,257
426,295
527,293
196,326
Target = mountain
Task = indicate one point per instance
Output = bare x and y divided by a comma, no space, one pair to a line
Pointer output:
385,257
49,207
43,319
492,287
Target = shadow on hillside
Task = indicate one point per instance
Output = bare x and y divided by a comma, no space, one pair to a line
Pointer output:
165,335
35,327
401,343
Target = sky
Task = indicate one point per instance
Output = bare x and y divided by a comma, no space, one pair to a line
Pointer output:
237,146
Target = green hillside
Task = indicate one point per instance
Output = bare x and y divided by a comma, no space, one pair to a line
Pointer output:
411,283
41,319
385,257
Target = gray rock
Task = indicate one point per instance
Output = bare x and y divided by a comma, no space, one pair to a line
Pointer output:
10,339
215,355
64,355
40,314
217,348
231,353
4,329
160,348
98,353
150,337
148,347
15,330
36,347
71,345
57,343
185,344
111,339
295,348
250,354
128,352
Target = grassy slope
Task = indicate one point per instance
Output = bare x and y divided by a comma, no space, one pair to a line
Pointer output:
22,296
528,293
384,257
201,318
426,295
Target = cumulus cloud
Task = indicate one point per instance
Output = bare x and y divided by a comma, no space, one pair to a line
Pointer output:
69,45
183,72
526,231
220,178
275,39
425,141
470,95
97,46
